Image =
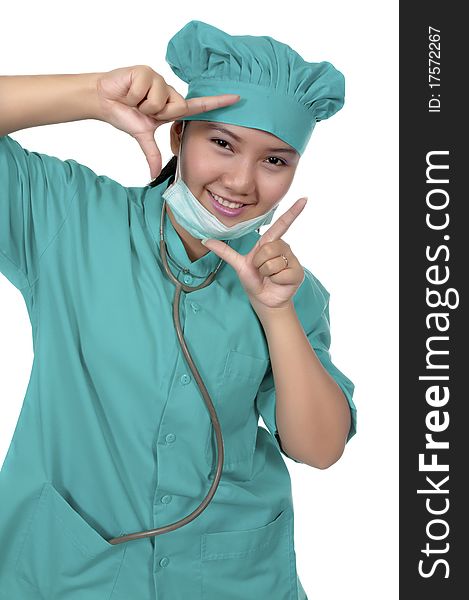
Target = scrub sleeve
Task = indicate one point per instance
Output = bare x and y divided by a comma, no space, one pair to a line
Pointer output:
36,193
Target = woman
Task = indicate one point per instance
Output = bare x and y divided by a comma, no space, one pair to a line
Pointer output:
114,437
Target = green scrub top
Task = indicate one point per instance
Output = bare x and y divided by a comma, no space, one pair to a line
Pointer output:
113,435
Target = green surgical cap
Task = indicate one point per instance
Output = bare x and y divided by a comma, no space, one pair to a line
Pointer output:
279,91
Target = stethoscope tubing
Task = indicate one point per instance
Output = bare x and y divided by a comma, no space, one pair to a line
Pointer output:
179,288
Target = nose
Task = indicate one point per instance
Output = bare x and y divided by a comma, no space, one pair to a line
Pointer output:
239,181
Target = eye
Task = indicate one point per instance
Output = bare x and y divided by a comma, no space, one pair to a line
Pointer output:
281,164
219,140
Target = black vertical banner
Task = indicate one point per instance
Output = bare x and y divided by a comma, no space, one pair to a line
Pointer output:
434,268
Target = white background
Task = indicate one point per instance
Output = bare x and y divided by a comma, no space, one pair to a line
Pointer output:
346,517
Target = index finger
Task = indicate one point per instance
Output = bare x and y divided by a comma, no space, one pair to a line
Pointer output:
177,107
282,224
206,103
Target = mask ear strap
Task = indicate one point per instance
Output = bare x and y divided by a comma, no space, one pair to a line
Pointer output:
178,166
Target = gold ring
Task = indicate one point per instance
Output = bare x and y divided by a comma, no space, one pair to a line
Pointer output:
285,259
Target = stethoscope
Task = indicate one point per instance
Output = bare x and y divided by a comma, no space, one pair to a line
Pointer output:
181,287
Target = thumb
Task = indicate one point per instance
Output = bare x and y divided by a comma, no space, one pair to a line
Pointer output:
227,253
152,153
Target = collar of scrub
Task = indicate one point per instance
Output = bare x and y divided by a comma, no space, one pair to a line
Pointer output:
200,268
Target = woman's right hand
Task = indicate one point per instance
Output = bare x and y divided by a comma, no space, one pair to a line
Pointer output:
138,100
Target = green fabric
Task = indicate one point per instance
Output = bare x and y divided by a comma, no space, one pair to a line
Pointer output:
113,435
280,91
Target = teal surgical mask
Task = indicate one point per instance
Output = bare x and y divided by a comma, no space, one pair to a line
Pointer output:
201,223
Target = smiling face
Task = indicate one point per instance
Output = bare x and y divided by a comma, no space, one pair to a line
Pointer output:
238,164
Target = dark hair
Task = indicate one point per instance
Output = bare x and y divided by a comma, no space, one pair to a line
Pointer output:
169,170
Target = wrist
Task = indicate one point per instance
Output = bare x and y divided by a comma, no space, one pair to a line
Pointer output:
92,98
267,313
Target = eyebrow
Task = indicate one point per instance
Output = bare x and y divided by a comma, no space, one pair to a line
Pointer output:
238,139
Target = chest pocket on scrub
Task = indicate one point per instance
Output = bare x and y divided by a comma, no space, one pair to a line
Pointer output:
234,402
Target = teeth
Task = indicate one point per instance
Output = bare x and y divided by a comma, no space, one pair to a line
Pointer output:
225,202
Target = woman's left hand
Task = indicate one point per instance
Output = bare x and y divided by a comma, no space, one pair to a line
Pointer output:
269,283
